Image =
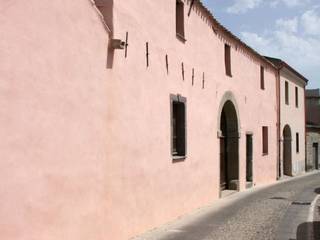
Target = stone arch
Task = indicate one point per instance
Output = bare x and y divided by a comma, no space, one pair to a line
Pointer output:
287,151
228,133
228,96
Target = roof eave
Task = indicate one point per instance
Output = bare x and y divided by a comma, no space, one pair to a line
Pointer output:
291,69
279,64
231,35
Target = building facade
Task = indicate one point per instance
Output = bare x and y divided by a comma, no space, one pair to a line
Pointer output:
313,128
292,85
119,116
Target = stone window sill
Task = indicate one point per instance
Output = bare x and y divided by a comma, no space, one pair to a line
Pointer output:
176,159
181,37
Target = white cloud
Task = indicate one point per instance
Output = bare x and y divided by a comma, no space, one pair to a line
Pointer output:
310,21
242,6
294,3
256,40
295,40
289,25
274,3
287,45
300,50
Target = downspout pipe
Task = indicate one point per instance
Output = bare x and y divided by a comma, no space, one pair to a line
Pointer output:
305,128
278,92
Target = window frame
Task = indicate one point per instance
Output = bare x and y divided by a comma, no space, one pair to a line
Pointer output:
180,21
178,99
227,59
265,140
297,143
297,97
287,95
262,80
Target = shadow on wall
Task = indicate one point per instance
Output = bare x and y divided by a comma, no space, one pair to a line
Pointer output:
308,231
106,9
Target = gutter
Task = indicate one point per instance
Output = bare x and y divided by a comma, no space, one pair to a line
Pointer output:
284,64
280,64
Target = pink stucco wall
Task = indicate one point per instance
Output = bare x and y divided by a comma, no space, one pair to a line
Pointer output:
153,189
85,149
53,113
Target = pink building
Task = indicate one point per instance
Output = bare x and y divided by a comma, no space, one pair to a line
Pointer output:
105,143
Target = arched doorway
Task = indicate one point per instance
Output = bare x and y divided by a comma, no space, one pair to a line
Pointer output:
229,147
287,151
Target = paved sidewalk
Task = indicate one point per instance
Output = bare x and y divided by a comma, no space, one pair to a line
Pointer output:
279,211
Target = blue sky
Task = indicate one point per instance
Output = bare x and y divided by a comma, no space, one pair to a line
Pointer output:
286,29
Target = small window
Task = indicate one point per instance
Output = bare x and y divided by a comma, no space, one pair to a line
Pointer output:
297,142
297,97
265,143
227,59
262,78
180,19
178,126
287,92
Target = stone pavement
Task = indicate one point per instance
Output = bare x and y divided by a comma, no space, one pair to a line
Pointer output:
299,220
281,211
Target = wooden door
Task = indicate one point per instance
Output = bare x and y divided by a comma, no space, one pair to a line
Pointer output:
249,157
316,155
223,167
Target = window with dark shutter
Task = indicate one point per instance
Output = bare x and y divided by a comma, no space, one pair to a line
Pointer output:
287,92
265,141
180,20
297,97
262,78
297,143
178,126
227,59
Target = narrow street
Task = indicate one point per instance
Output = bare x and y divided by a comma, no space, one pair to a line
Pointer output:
282,211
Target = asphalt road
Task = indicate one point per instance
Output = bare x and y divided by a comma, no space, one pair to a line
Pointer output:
278,212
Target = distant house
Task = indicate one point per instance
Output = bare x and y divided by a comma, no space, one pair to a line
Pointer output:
292,119
313,128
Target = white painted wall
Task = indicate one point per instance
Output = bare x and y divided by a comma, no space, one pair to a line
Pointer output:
294,117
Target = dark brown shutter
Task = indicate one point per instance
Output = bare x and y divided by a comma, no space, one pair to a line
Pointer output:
265,140
227,58
262,78
180,18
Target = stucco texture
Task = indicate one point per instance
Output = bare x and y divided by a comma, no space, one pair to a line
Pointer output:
85,147
53,114
153,189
